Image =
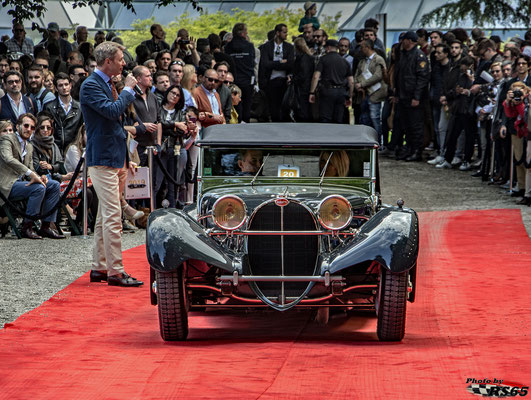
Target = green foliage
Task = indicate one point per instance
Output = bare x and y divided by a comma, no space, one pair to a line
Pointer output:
26,10
257,24
515,13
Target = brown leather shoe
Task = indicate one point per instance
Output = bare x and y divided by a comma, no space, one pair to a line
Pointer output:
98,276
124,280
28,232
48,230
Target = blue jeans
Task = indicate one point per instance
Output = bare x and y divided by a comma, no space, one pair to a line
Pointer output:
40,199
375,110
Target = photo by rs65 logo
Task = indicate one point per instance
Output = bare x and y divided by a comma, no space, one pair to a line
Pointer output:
496,388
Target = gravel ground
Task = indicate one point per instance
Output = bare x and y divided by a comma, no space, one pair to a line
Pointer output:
33,271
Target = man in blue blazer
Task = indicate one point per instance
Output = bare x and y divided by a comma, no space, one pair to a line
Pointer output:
107,159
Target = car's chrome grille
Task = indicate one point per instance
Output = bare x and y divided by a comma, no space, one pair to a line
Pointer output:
282,255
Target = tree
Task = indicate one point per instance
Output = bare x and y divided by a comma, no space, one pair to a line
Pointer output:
257,25
481,12
26,10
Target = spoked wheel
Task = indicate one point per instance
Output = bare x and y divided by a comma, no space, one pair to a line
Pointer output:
171,299
391,305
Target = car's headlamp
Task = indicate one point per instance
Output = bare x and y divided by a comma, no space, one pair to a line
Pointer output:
335,213
229,212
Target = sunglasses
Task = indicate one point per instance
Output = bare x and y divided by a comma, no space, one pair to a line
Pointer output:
45,128
177,62
43,65
29,126
227,82
212,80
13,82
317,36
192,119
80,74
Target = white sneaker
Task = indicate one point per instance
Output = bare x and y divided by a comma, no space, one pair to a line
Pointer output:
456,161
465,166
436,160
445,164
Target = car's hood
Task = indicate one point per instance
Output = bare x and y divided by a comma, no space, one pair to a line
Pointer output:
309,195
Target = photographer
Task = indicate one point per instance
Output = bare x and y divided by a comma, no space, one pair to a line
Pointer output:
485,107
462,119
184,48
516,107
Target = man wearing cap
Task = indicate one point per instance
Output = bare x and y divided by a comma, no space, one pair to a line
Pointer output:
53,34
309,19
412,76
336,75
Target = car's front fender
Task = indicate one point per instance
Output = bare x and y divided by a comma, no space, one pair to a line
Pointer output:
172,237
391,237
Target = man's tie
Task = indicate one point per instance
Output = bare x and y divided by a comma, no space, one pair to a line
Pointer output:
113,90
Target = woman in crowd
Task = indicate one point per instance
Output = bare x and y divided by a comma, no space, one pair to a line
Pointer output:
173,154
236,93
6,127
48,81
73,154
516,107
189,83
47,159
302,78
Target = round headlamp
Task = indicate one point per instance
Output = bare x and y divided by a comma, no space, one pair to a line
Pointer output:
229,212
335,213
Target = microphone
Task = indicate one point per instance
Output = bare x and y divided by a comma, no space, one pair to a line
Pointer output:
136,88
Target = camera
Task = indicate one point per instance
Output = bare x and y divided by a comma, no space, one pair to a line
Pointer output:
183,41
517,95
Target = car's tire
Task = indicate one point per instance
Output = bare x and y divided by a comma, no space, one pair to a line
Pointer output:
391,309
171,299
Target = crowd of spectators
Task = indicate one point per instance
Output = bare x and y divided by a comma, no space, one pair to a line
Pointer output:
452,99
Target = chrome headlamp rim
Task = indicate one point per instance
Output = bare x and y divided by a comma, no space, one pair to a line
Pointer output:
349,207
233,197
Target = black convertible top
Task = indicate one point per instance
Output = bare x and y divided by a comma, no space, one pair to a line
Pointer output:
289,135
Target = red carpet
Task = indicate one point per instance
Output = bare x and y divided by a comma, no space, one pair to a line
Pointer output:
471,320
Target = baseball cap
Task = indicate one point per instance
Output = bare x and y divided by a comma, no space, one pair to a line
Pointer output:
308,5
53,27
411,36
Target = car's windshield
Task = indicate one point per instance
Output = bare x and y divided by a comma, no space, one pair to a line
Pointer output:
286,163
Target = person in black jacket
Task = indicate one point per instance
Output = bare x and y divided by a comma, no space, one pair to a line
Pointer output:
65,111
302,77
462,117
276,62
243,54
412,75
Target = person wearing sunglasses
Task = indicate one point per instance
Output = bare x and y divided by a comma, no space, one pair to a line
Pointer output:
173,154
47,158
19,43
208,100
19,180
14,103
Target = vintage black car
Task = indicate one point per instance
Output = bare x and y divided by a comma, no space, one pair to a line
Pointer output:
287,215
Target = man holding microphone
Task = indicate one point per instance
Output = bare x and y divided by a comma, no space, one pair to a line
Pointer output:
107,159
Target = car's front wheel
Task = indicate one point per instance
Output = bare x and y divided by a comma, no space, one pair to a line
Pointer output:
171,301
391,305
